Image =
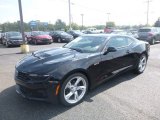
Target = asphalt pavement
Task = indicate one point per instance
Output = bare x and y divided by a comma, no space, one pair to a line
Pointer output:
126,97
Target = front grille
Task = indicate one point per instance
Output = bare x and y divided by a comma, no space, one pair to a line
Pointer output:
23,76
37,93
45,40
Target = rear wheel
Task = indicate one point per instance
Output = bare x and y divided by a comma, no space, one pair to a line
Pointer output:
6,44
141,64
74,89
152,41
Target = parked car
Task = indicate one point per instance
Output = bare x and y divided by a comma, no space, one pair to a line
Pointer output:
67,73
40,37
124,32
61,36
92,29
149,34
88,32
75,33
119,32
12,39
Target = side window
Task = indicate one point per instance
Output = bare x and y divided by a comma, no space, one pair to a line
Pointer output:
118,42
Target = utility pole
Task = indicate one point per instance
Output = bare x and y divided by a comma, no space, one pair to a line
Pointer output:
82,20
21,21
148,4
69,2
24,47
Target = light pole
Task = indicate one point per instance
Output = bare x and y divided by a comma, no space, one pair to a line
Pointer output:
82,20
148,3
69,3
24,47
21,21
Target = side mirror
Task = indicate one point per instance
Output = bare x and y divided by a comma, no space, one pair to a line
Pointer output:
110,49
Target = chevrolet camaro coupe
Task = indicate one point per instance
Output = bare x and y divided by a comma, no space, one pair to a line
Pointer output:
66,74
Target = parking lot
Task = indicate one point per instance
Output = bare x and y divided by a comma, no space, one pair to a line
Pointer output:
126,97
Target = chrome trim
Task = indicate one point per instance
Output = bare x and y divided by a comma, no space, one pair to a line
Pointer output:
119,70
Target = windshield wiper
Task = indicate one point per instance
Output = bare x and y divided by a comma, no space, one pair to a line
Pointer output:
77,49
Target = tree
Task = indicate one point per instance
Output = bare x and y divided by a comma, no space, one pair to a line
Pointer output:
157,23
110,24
59,25
99,26
75,26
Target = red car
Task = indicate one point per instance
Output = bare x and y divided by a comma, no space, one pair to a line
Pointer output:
39,37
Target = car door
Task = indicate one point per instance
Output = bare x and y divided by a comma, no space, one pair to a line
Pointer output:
115,62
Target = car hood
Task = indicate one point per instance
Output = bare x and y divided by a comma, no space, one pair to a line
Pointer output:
45,59
43,37
15,38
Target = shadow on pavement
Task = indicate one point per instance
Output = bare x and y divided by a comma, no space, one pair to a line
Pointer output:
13,107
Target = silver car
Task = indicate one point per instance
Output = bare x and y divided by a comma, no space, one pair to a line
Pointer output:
149,34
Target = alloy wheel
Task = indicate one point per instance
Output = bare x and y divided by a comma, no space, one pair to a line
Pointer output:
142,63
75,90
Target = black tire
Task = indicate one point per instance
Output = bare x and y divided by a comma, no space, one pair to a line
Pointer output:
152,41
63,89
6,44
138,70
35,42
59,40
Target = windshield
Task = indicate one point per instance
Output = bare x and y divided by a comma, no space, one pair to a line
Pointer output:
38,33
86,44
144,30
14,34
63,33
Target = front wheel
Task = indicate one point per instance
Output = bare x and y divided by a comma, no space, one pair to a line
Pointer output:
35,42
59,40
141,64
74,89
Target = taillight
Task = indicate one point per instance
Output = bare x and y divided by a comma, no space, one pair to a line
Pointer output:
150,34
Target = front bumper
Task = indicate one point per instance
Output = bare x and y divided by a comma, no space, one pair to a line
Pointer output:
44,41
42,91
15,43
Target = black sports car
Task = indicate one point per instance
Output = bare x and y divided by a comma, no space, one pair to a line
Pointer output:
61,36
67,73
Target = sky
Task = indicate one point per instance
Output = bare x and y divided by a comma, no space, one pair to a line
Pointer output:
122,12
